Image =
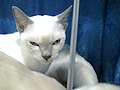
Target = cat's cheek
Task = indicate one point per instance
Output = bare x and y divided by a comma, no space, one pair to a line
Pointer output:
38,58
56,49
54,55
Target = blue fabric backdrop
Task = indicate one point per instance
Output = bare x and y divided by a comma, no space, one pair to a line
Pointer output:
98,35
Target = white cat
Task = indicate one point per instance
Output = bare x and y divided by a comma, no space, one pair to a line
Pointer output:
39,41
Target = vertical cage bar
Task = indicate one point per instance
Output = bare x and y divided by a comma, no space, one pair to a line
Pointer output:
71,67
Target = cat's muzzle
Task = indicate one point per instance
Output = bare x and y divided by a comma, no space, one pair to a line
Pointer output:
47,57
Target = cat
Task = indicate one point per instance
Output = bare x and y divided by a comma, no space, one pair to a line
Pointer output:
40,45
38,40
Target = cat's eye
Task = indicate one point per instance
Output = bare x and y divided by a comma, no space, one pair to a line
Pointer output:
56,42
34,43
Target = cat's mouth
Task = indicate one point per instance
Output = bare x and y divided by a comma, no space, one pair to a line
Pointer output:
44,61
50,59
47,61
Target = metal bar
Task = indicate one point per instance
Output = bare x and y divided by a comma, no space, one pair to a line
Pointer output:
71,68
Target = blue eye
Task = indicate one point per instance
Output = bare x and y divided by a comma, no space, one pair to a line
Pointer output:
34,43
56,42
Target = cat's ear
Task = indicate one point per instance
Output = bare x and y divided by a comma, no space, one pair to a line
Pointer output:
22,20
63,17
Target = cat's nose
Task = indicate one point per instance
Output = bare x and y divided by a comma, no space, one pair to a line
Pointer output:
46,57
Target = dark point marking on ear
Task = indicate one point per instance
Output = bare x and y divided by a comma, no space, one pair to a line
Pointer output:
63,17
22,20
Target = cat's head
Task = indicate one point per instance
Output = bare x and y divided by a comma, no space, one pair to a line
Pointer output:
42,36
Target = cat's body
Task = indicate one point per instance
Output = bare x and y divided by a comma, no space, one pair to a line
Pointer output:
40,41
84,73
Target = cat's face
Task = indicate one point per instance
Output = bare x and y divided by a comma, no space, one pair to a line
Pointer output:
42,36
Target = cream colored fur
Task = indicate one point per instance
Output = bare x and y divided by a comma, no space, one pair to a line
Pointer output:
40,36
15,76
100,86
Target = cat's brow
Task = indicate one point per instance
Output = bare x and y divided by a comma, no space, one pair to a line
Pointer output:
46,39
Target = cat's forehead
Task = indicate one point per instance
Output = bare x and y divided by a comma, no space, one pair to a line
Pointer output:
44,18
45,24
44,29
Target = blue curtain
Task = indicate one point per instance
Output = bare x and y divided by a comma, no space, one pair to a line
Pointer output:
98,35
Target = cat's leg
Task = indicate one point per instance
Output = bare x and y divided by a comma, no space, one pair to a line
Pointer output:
84,73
